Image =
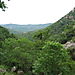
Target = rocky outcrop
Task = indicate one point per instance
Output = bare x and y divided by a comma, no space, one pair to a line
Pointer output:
20,72
69,45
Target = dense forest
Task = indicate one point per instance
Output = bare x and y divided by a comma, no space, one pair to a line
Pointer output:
49,51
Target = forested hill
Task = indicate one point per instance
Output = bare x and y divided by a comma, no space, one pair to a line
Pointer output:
4,33
62,31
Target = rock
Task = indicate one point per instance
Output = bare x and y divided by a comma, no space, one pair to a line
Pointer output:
2,71
71,17
71,47
69,44
20,72
13,69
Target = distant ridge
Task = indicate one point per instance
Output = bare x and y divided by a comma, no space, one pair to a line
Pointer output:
17,28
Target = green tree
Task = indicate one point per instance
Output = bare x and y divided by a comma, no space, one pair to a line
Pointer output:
52,60
17,52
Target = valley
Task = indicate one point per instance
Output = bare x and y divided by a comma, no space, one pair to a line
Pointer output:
45,49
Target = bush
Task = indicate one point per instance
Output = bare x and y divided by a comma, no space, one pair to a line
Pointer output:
52,60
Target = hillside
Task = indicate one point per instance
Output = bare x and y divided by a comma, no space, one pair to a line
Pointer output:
4,34
16,28
61,31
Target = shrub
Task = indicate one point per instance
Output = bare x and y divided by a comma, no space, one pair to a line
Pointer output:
52,60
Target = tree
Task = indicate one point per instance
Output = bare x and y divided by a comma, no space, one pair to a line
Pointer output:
52,60
3,5
17,52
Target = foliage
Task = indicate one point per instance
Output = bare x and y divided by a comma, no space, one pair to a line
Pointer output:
17,52
9,73
4,33
53,59
40,54
3,5
61,31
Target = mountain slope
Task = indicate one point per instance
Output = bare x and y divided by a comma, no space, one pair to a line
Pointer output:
4,33
61,31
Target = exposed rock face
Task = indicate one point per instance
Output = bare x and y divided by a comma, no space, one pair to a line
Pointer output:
71,47
20,72
71,17
69,44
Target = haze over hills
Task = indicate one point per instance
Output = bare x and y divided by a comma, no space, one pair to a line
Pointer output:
16,28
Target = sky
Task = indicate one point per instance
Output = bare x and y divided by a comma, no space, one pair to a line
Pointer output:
35,11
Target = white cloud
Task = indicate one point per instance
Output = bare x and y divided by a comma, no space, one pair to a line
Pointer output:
35,11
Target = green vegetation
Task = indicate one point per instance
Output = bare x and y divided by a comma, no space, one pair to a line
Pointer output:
34,57
42,52
61,31
4,33
3,5
53,59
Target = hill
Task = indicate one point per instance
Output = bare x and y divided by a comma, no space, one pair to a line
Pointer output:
16,28
61,31
4,34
